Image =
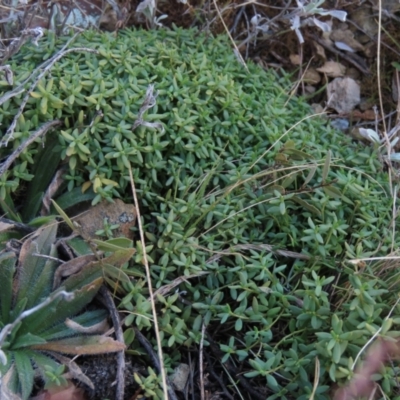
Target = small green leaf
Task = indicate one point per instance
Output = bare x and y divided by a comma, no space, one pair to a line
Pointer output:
43,105
238,325
64,216
306,205
332,191
310,175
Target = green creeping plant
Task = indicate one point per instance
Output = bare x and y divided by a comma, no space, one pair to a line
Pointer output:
243,192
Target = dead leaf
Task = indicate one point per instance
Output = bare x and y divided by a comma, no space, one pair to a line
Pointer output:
8,74
164,290
343,94
71,267
346,36
362,384
368,115
100,327
311,76
320,50
117,213
5,392
96,344
295,59
365,18
332,69
51,191
74,370
353,73
68,392
4,227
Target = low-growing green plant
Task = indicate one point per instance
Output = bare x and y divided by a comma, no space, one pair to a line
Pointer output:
250,206
150,385
41,317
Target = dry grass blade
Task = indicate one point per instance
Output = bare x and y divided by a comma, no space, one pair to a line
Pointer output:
316,378
202,393
73,369
153,306
362,383
237,52
374,335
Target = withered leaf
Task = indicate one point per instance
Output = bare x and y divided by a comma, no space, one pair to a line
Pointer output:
96,344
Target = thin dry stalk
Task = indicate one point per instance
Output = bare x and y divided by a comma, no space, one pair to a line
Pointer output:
282,136
316,378
235,250
153,305
362,385
374,335
378,72
202,393
232,381
237,52
164,290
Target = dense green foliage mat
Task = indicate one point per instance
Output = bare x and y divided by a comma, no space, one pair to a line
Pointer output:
240,182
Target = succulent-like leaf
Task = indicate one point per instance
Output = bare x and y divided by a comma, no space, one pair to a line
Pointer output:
42,361
73,369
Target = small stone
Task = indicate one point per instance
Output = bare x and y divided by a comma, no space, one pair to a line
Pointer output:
180,376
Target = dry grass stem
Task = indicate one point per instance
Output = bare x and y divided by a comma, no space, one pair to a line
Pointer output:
153,305
202,394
